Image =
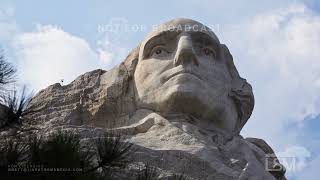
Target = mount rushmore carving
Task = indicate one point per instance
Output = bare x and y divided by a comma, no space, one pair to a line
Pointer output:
177,96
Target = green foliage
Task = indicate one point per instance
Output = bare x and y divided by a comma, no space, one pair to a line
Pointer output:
34,145
13,105
177,177
60,150
7,72
149,173
63,150
113,151
11,153
16,107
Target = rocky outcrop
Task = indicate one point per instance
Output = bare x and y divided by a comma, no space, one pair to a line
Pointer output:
97,102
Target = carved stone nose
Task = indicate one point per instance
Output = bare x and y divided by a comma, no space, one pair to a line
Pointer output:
185,53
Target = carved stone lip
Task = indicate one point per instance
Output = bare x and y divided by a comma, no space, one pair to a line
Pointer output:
183,71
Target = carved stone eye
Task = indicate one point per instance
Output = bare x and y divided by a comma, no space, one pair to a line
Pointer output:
209,52
159,51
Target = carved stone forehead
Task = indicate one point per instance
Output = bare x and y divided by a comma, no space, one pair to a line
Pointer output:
178,26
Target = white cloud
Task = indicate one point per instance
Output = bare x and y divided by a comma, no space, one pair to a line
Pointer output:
116,36
50,54
110,51
311,171
278,53
295,159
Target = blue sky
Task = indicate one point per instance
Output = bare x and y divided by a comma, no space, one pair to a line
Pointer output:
274,44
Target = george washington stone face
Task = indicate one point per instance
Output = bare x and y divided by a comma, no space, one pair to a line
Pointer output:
177,97
183,68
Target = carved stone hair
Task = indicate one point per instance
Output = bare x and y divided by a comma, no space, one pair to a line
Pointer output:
240,92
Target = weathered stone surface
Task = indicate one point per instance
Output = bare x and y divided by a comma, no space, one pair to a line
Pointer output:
177,96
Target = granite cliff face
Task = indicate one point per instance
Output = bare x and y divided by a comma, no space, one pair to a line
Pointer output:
174,126
97,102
